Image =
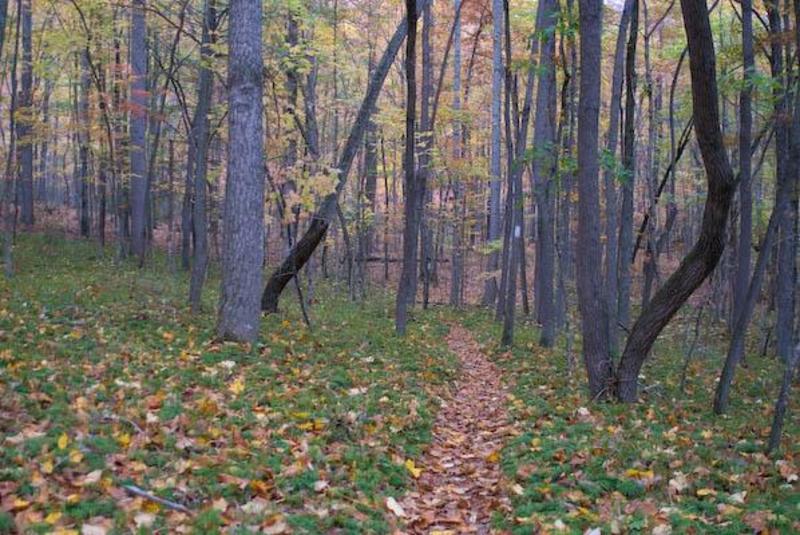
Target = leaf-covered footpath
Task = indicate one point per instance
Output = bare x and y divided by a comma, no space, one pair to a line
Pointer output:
460,485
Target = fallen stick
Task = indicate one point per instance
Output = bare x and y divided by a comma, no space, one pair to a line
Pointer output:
136,491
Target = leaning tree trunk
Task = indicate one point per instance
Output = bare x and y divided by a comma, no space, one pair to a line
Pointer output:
320,221
243,225
591,296
704,256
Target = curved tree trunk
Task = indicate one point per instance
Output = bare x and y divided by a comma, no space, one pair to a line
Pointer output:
705,254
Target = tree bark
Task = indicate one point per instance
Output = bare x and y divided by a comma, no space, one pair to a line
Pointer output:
24,128
405,290
200,138
545,146
138,129
243,225
490,287
591,297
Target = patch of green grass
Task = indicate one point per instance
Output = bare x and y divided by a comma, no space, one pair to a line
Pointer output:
103,368
665,460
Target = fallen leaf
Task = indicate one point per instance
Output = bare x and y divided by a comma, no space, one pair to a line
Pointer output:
415,472
395,507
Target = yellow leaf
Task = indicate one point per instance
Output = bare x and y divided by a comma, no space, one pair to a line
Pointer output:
75,456
237,387
47,467
706,492
53,517
124,439
63,441
19,504
493,457
413,469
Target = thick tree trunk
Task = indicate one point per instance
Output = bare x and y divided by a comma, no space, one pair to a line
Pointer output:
704,256
321,219
243,225
406,288
138,129
591,297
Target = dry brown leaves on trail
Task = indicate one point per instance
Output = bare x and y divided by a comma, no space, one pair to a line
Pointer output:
460,484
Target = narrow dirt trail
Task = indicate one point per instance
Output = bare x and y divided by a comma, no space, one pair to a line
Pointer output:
460,485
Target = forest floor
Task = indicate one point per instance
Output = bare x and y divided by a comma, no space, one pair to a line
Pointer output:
120,412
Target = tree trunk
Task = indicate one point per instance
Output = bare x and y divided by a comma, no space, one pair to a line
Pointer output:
243,225
200,138
410,229
591,297
704,256
138,129
490,287
457,266
745,198
24,128
544,169
625,241
610,177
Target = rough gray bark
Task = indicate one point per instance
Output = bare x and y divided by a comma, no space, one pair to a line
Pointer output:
490,286
591,297
200,138
545,145
24,128
704,256
243,225
138,129
320,221
405,290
